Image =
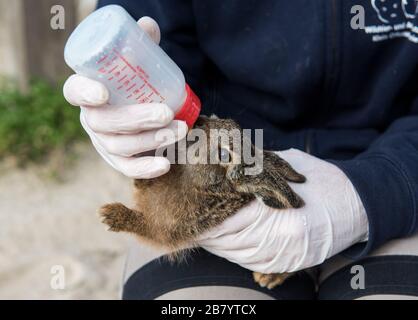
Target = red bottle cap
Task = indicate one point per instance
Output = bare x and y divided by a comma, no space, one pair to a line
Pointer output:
190,110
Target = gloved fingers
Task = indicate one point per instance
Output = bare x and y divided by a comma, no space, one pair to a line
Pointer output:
150,26
272,245
82,91
241,220
242,230
127,145
128,119
141,167
133,167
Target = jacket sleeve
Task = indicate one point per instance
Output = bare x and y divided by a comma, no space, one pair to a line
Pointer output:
178,35
386,178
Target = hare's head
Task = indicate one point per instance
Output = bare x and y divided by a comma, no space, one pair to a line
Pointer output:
216,147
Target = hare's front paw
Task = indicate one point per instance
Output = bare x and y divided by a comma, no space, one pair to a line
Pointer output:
116,216
270,280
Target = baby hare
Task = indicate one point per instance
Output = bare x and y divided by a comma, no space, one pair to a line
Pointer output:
173,210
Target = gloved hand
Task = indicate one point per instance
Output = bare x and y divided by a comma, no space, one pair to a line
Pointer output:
268,240
120,132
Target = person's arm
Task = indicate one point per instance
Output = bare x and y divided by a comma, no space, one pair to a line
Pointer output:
386,178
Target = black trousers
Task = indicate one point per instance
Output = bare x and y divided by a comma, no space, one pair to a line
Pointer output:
389,273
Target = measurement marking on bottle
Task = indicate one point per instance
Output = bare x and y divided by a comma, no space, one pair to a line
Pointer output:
115,64
139,73
123,78
102,59
139,97
113,69
131,87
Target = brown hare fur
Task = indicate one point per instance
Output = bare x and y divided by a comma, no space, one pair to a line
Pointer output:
173,210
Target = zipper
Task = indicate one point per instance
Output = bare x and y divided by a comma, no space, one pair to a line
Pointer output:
333,71
308,140
331,68
333,29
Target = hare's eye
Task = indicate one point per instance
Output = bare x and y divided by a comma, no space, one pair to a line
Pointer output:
224,155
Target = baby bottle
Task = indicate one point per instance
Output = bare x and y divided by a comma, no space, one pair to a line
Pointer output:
108,46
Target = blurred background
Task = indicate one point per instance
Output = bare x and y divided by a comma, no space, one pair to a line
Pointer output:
51,180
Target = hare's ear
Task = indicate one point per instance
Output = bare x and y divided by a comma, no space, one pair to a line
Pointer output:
282,167
272,187
277,194
269,187
280,198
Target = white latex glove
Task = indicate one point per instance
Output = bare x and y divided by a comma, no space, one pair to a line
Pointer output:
268,240
120,132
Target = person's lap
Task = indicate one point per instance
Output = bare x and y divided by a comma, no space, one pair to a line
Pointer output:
148,275
390,272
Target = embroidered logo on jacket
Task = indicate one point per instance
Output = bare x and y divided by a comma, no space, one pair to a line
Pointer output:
394,11
398,19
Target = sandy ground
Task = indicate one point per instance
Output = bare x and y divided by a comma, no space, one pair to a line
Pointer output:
45,223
